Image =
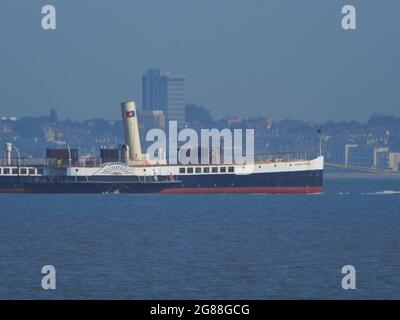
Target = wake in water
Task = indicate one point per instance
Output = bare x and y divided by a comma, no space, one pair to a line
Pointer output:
384,192
111,192
377,193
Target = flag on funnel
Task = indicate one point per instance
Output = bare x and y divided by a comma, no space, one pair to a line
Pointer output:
130,114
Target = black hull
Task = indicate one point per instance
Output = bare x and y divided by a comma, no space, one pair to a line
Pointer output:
310,181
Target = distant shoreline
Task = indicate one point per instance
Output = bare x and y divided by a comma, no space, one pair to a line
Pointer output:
360,175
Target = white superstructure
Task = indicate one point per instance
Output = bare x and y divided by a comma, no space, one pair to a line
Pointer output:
166,170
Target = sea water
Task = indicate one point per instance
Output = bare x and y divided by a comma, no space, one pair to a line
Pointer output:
115,246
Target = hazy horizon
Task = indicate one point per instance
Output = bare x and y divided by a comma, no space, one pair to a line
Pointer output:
280,59
66,118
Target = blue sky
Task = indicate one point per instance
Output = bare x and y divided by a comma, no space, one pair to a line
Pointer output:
276,58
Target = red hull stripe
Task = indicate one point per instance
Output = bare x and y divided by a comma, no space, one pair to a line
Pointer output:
13,190
266,190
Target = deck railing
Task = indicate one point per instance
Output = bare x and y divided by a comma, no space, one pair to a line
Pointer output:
93,162
24,162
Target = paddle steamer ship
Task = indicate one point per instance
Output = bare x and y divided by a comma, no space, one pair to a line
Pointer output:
135,174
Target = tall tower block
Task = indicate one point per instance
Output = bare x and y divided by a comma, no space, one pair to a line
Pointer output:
131,130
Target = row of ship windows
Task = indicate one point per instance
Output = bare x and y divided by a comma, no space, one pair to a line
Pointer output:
207,170
22,171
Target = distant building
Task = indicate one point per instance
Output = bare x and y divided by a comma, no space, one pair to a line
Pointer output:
360,156
335,152
164,92
150,119
381,158
49,134
394,161
233,121
12,118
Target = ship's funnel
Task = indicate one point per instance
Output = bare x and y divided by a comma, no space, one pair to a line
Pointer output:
131,130
8,149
